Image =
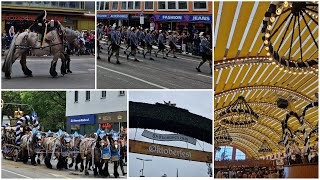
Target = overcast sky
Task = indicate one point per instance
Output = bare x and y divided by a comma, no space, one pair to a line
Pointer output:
197,102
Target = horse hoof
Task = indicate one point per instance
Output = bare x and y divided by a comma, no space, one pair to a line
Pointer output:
38,161
7,75
86,173
69,71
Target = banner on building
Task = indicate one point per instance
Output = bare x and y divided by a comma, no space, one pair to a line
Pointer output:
168,137
112,16
169,151
83,119
190,18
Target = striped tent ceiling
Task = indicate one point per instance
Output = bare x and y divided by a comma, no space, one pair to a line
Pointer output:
242,68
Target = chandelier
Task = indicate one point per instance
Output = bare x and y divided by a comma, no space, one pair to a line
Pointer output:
265,148
294,19
238,115
222,136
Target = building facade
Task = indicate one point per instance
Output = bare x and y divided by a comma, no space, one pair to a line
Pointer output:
77,15
87,111
173,15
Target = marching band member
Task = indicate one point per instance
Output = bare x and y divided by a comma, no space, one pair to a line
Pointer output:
205,51
115,46
161,45
148,40
134,44
172,43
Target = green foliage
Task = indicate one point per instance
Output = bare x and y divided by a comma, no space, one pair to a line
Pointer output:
49,105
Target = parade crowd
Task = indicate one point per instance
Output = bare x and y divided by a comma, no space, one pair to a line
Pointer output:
139,40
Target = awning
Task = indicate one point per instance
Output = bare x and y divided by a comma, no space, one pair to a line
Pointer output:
190,18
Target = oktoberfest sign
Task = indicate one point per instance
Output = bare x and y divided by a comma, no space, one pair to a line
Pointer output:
168,137
169,151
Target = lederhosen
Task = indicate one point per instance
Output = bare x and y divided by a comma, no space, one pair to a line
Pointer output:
161,45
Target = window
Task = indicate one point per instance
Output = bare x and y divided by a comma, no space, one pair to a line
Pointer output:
106,6
200,5
124,5
173,5
137,5
182,5
87,95
130,5
114,6
121,93
148,5
76,96
101,6
225,153
103,94
240,155
161,5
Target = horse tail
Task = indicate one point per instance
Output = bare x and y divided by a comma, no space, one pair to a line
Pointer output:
6,67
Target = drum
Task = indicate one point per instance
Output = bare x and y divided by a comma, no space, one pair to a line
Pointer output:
155,47
167,46
178,46
140,48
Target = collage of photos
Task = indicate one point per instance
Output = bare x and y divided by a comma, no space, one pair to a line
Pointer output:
127,89
83,101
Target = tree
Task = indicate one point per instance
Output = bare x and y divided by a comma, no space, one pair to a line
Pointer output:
49,105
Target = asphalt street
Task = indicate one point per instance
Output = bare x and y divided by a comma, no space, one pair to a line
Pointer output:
82,76
171,73
10,169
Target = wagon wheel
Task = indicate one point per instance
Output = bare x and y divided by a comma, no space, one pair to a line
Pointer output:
15,156
293,24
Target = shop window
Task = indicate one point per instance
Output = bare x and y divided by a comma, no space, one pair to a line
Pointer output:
72,4
62,4
54,4
75,128
148,5
106,6
76,96
114,6
200,5
87,95
122,93
103,94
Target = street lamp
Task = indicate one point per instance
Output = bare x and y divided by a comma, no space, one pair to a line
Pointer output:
143,160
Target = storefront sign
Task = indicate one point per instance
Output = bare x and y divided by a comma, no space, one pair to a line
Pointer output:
112,117
169,151
169,137
190,18
29,18
83,119
112,16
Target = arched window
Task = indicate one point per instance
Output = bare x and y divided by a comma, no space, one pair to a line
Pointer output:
226,153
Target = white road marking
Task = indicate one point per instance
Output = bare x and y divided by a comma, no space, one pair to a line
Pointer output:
169,56
133,77
204,75
57,175
91,69
16,173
